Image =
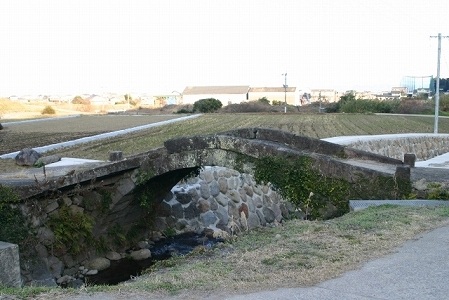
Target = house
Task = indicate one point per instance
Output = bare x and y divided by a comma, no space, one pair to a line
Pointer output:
325,95
275,94
97,100
365,95
163,100
399,92
226,94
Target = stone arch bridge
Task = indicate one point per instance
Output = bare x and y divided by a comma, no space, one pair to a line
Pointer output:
156,172
107,192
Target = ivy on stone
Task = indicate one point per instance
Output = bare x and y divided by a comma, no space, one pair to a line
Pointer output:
316,195
72,230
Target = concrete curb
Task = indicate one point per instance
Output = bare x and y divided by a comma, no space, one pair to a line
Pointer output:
356,205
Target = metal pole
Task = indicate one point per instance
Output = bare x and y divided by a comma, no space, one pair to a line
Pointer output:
437,88
285,92
437,92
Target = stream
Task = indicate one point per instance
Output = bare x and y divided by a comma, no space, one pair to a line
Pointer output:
124,269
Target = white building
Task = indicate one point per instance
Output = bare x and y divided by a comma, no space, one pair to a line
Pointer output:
280,94
226,94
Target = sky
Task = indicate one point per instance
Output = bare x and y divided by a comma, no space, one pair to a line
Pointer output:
143,46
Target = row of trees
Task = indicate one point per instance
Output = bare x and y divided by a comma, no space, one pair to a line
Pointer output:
444,84
349,104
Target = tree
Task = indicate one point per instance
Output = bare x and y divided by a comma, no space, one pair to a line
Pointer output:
207,105
264,100
77,100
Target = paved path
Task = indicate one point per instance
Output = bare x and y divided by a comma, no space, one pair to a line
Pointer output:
418,270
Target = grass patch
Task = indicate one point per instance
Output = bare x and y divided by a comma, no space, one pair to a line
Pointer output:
298,253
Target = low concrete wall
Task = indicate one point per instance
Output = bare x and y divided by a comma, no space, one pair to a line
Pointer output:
10,265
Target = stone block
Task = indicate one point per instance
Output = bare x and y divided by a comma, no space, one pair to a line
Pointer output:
204,190
410,159
403,172
10,265
214,188
183,197
223,185
222,200
213,204
203,206
115,155
51,206
208,218
234,196
269,214
99,263
46,160
140,254
27,157
125,186
253,221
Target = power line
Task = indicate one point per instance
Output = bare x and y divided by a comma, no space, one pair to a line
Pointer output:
437,89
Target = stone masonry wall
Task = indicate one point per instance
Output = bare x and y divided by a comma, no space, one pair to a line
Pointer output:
221,199
424,147
219,202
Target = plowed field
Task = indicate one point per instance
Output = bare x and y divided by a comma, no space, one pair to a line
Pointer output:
18,135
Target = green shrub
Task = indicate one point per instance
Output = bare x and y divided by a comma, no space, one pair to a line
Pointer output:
277,103
444,102
73,230
413,106
48,110
207,105
251,106
264,100
369,106
79,100
184,111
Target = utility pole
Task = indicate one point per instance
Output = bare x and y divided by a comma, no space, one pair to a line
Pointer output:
285,92
437,89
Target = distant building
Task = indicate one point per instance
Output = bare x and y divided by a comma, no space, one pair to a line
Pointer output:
163,100
226,94
275,93
325,95
415,84
97,100
365,95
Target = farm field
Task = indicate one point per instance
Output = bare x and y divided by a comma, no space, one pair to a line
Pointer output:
34,134
16,136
